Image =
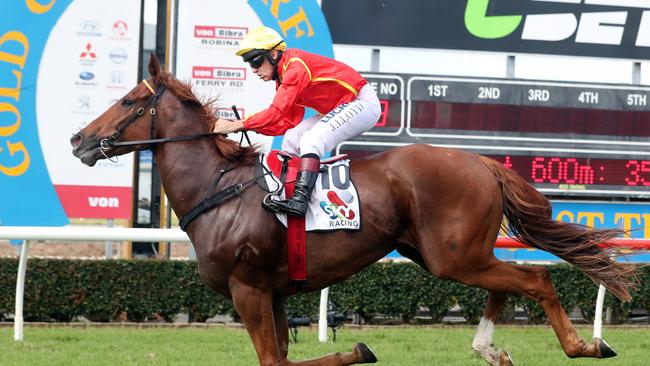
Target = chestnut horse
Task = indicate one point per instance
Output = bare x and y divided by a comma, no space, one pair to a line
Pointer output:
442,208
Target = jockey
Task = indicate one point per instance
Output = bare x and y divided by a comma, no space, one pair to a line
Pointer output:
347,106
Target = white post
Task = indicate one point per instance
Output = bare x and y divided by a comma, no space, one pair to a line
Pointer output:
598,317
20,291
108,247
192,253
322,317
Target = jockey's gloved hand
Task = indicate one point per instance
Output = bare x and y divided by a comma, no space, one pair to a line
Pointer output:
226,126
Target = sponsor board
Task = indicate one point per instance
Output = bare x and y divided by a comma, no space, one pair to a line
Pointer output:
95,201
55,77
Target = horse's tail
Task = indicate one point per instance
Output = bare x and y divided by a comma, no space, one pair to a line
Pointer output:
528,213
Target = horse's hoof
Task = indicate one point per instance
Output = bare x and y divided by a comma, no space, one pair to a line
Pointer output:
494,357
605,350
504,359
367,356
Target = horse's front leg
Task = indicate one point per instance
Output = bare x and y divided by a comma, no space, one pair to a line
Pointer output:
255,307
281,325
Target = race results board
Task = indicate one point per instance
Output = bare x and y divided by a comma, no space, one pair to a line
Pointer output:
567,139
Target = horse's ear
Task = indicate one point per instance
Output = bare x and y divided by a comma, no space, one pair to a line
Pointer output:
154,66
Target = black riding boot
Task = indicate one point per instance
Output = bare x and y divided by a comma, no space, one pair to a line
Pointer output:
297,205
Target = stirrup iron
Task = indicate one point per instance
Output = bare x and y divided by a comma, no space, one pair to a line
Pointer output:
269,200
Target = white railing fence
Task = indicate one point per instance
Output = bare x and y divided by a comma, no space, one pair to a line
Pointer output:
27,233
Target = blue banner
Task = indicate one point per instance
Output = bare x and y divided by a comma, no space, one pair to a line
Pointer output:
627,216
27,195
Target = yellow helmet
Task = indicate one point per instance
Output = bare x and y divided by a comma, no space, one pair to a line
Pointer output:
262,38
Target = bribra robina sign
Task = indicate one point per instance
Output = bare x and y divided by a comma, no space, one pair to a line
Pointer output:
601,28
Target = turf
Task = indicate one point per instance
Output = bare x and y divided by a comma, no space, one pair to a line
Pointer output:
231,346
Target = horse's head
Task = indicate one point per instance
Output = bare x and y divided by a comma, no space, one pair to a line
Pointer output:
129,119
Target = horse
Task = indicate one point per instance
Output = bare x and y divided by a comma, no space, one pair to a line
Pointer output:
441,208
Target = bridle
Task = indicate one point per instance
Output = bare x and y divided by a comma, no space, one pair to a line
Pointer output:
107,143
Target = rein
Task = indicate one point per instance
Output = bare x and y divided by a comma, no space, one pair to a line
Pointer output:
163,140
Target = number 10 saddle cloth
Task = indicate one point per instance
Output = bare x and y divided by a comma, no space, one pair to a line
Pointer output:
334,202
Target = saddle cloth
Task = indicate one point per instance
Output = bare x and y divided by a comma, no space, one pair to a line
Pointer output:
334,202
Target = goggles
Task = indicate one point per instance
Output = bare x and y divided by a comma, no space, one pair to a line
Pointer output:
256,57
257,60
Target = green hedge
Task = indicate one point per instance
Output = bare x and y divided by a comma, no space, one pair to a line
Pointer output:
60,290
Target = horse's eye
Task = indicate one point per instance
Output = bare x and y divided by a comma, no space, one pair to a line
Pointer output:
127,102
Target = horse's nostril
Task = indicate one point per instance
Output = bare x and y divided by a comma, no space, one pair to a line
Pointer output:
75,141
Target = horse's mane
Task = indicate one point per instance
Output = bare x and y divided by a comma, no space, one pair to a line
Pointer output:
231,150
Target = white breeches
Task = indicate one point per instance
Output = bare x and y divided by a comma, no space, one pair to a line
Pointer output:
320,134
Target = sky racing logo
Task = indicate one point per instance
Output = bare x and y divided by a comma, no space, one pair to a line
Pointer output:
337,207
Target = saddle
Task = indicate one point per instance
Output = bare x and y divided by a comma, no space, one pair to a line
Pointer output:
285,166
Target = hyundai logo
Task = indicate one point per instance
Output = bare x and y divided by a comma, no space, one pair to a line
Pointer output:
118,55
86,75
90,26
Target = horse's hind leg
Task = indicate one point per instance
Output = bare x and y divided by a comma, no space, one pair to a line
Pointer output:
483,343
255,307
534,282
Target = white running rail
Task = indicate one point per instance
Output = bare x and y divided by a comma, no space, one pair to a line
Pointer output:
74,234
152,235
98,234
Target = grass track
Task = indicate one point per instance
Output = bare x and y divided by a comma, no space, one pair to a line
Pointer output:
231,347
